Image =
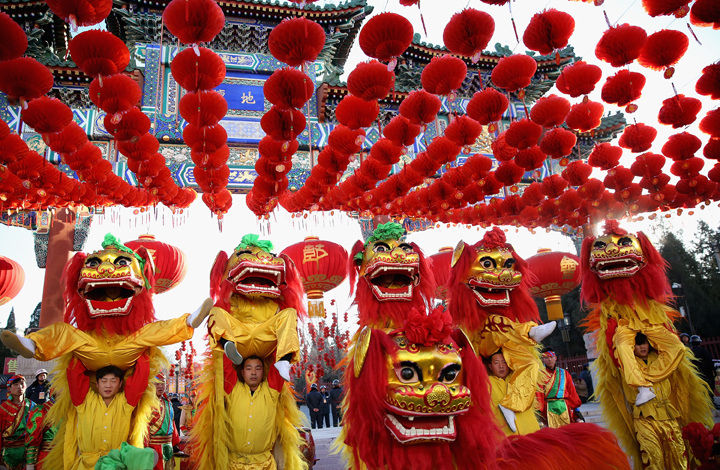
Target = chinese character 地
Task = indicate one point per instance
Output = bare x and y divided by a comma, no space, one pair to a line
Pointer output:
249,98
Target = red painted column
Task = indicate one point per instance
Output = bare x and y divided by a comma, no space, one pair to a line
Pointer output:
60,247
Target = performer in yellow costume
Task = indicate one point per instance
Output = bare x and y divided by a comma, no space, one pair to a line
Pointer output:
500,375
104,419
248,318
489,299
109,320
624,280
656,426
258,298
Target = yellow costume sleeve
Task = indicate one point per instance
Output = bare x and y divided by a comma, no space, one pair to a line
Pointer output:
670,353
520,353
259,338
57,339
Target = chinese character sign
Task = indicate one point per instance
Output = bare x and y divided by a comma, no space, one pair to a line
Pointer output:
243,97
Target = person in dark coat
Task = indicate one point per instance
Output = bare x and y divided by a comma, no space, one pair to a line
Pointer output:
325,407
587,377
704,363
314,401
39,391
335,402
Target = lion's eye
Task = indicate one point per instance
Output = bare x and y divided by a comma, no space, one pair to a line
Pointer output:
510,263
449,373
408,372
92,263
487,263
122,261
598,245
625,241
381,248
243,252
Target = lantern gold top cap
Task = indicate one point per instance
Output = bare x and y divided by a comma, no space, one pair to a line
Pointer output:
311,238
445,248
147,236
544,250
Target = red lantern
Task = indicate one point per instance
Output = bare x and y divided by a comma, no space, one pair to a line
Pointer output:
170,267
12,278
322,266
557,274
441,269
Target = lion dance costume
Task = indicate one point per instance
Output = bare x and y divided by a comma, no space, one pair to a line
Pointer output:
624,281
109,320
489,299
418,397
258,300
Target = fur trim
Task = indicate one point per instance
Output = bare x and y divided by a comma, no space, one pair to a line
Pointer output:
289,441
563,448
393,314
463,304
650,282
366,442
141,313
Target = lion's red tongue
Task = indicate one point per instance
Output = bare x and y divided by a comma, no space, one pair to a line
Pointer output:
109,305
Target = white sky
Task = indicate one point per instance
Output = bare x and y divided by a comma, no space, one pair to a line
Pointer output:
198,234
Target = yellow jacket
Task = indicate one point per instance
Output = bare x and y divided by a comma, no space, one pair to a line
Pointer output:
660,407
254,432
101,428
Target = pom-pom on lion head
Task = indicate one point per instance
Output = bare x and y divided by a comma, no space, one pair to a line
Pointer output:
418,397
394,277
110,289
489,277
624,266
253,271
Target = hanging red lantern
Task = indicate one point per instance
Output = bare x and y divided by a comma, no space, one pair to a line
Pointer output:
25,79
663,49
170,261
12,278
705,13
196,72
585,116
709,83
558,142
548,31
487,106
420,107
523,134
679,111
710,124
550,111
514,72
194,21
468,33
557,274
99,52
370,81
12,37
322,266
578,79
385,37
81,12
637,137
665,7
623,88
47,115
288,88
296,41
620,45
443,75
356,113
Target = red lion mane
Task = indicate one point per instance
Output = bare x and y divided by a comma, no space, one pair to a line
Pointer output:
463,304
141,313
291,293
650,282
371,442
373,312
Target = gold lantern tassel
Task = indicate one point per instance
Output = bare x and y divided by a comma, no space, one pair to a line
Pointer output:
554,307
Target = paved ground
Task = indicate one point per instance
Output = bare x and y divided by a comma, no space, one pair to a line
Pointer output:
325,437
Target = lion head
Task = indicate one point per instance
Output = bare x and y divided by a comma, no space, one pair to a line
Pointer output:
110,289
489,277
393,276
622,265
418,397
253,271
